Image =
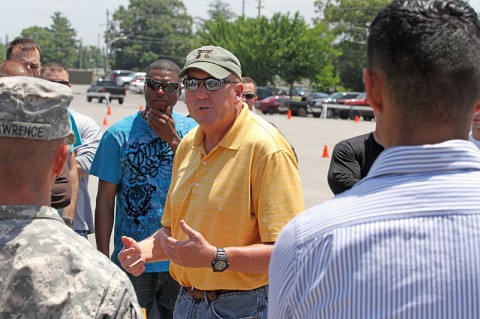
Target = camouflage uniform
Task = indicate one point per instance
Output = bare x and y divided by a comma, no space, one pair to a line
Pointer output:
47,271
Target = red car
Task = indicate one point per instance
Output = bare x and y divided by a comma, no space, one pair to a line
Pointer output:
360,100
273,104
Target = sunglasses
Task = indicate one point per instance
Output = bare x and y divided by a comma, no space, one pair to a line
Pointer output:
249,96
166,86
61,82
211,84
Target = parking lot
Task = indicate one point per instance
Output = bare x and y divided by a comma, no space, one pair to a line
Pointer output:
308,135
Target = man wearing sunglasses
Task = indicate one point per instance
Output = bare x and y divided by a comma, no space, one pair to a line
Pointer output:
235,184
249,92
134,164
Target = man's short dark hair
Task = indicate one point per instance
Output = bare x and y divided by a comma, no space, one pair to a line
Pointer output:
163,64
247,79
23,44
54,66
429,53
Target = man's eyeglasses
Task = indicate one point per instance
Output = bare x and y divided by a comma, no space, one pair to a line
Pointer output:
211,84
249,96
61,82
166,86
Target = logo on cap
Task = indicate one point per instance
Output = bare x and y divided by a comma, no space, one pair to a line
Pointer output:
206,52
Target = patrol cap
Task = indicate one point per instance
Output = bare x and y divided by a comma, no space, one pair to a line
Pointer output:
216,61
34,109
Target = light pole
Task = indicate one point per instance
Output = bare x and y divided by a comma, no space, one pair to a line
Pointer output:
106,53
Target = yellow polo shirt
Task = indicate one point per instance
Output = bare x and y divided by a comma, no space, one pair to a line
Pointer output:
242,193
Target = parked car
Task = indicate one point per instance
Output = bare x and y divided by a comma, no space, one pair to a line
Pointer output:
274,104
137,84
360,100
101,89
122,77
316,95
263,92
317,108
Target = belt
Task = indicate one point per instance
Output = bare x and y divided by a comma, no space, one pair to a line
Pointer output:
211,295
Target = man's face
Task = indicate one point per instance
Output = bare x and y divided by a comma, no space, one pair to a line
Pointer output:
161,98
249,94
29,58
213,110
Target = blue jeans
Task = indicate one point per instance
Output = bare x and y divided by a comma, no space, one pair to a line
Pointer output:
156,292
247,304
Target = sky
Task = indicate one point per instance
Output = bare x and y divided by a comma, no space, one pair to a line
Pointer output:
88,17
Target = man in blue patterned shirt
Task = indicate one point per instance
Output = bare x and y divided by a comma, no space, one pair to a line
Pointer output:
405,241
134,163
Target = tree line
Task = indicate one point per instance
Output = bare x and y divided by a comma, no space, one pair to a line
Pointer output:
329,51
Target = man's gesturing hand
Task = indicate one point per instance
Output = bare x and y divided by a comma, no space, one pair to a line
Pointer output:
195,252
130,257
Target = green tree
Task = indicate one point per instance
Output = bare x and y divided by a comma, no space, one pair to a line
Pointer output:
58,43
302,52
65,45
349,20
282,46
3,51
149,30
220,8
92,57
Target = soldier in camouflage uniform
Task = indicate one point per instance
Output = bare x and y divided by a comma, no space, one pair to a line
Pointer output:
46,270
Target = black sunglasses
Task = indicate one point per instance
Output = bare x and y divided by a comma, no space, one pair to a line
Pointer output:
249,96
211,84
166,86
61,82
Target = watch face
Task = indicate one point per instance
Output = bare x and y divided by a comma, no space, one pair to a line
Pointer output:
221,265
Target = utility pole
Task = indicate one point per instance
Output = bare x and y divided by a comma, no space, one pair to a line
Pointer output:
260,8
80,53
105,62
243,8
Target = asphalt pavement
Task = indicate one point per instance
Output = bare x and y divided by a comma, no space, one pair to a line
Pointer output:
308,135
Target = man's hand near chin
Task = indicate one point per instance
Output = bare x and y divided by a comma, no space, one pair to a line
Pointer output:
163,125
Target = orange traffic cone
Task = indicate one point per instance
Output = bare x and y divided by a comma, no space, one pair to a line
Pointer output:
105,122
109,111
289,114
356,119
141,107
325,152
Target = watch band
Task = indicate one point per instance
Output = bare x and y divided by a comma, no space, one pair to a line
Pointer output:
220,263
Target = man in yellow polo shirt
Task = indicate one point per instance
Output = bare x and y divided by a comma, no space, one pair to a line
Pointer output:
235,184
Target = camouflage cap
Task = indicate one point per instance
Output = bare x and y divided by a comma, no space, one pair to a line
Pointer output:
33,108
216,61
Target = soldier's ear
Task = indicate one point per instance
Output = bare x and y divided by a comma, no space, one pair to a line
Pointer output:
61,158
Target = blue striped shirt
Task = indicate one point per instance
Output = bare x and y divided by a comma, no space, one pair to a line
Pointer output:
403,243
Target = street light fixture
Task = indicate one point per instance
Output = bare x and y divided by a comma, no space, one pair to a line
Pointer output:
106,53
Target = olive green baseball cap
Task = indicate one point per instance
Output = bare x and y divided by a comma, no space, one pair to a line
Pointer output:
33,108
216,61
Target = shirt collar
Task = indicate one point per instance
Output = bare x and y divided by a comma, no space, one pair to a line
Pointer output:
451,155
234,136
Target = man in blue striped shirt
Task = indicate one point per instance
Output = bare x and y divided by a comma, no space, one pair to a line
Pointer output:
405,241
